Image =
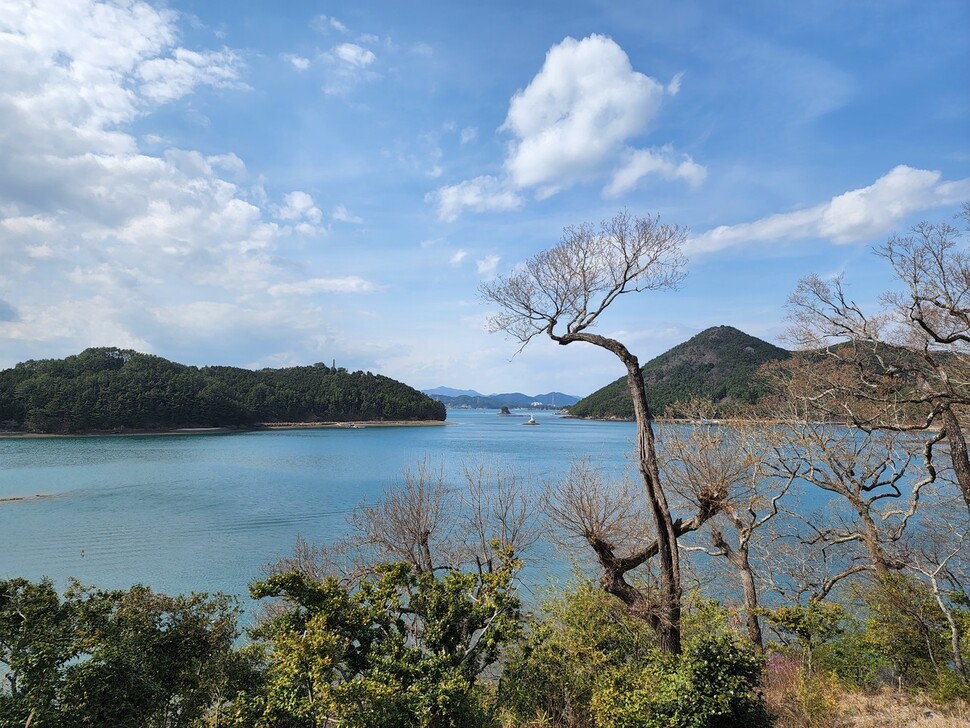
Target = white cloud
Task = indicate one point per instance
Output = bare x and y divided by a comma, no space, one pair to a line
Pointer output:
228,163
481,194
571,124
324,22
172,77
299,205
347,284
577,112
341,214
105,243
469,134
673,88
349,65
635,164
354,55
298,62
457,257
486,266
855,216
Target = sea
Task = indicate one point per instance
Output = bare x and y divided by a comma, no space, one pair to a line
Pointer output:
208,512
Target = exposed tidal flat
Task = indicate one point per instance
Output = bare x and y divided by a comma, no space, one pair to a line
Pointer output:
197,512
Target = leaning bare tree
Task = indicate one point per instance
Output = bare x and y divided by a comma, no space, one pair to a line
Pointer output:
561,292
907,366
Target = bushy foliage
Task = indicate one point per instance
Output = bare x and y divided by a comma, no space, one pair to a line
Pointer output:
713,684
907,628
580,635
130,658
396,648
589,662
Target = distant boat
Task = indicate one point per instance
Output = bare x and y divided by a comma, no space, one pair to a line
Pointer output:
531,420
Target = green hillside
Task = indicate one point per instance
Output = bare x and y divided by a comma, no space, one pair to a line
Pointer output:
108,389
719,363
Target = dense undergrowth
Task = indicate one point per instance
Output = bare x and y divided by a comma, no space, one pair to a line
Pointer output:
398,648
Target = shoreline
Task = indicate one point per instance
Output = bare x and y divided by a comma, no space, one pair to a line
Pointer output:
260,427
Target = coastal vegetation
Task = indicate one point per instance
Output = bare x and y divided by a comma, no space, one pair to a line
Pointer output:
111,390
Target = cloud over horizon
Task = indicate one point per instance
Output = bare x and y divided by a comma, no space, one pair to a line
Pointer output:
852,217
120,233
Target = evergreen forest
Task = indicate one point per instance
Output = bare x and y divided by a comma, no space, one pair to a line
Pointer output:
720,364
114,390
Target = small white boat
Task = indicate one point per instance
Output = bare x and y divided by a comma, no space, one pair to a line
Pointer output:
531,421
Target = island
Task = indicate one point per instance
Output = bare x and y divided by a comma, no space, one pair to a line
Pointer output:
112,390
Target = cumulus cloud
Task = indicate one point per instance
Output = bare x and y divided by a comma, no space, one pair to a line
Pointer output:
347,284
481,194
576,113
457,257
635,164
298,62
855,216
573,123
299,205
354,55
99,236
341,214
486,266
324,22
172,77
349,65
469,134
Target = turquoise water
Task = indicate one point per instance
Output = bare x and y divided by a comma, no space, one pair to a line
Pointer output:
187,513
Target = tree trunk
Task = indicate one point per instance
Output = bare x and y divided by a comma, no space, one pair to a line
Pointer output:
958,452
740,560
955,640
743,565
669,589
669,559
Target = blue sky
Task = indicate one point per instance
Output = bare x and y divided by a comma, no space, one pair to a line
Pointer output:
269,184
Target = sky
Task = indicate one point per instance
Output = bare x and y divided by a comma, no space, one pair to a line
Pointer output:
272,184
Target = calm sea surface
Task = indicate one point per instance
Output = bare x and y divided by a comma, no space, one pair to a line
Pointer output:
187,513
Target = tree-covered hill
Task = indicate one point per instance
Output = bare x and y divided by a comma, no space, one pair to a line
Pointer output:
719,364
109,389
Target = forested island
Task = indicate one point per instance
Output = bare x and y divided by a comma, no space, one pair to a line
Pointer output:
113,390
721,365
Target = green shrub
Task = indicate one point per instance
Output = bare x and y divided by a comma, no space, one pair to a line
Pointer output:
714,684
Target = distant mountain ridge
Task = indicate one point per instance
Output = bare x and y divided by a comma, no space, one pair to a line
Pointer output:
719,364
470,399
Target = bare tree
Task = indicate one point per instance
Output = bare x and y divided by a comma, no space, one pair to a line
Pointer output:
476,524
906,366
413,523
497,518
728,463
938,557
561,293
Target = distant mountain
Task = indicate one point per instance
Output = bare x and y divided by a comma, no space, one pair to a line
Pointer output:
474,400
109,389
449,392
719,363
